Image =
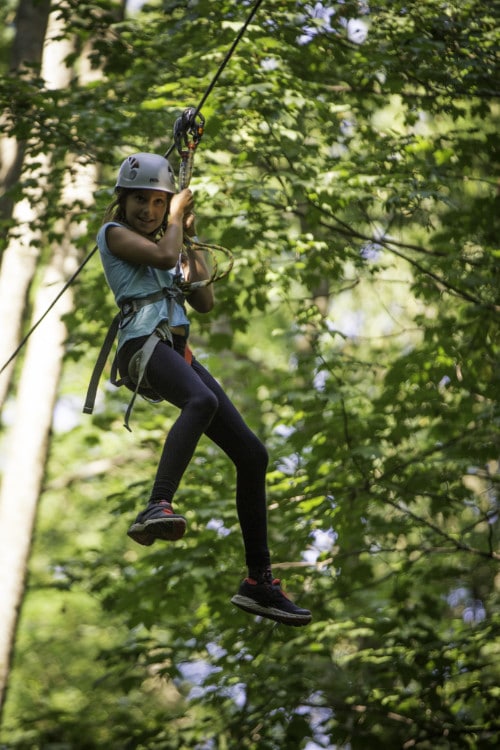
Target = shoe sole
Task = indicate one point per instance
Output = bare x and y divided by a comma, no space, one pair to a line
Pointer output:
254,608
169,529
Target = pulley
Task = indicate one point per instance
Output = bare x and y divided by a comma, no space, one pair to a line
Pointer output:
188,131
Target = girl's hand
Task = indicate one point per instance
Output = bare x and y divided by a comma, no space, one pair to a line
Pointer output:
189,224
181,203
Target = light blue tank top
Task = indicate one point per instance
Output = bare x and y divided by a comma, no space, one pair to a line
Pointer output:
129,281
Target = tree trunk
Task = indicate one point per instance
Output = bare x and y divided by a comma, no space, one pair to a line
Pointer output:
16,274
27,47
20,259
27,443
28,436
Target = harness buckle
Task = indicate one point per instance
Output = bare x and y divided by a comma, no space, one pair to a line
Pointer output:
163,331
127,309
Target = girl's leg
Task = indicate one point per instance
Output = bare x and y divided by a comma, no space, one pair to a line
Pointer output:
258,594
229,431
205,408
175,381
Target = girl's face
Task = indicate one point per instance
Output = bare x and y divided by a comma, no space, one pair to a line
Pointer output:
146,209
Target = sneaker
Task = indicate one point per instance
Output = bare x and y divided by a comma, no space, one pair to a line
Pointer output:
269,600
158,521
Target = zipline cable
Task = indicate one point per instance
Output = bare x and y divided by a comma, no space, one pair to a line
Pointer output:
93,251
52,304
222,66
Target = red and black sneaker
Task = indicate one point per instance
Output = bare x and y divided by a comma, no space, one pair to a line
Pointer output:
158,521
269,600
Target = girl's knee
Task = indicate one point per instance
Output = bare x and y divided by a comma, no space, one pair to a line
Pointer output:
206,404
257,454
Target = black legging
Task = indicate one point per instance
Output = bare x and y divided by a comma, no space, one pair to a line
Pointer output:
205,408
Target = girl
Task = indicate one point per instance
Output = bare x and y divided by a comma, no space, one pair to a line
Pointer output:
139,243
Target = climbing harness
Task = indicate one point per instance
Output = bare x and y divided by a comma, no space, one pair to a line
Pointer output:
135,380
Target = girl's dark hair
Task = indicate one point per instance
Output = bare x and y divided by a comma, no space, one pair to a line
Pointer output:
116,209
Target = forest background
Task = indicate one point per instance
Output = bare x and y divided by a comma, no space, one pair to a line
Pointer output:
350,161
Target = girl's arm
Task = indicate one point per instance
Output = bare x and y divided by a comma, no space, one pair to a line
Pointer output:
140,250
196,269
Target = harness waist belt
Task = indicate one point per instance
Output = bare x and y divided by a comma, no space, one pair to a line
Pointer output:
128,308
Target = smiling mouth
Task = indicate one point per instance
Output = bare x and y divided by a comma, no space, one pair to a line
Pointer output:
148,222
149,226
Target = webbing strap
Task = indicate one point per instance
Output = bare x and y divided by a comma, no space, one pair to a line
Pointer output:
131,306
127,310
144,355
100,364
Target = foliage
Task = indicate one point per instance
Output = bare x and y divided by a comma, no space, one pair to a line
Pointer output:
355,183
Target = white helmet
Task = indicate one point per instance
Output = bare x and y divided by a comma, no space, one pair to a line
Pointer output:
146,171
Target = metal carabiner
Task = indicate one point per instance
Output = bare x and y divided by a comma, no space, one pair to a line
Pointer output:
188,131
